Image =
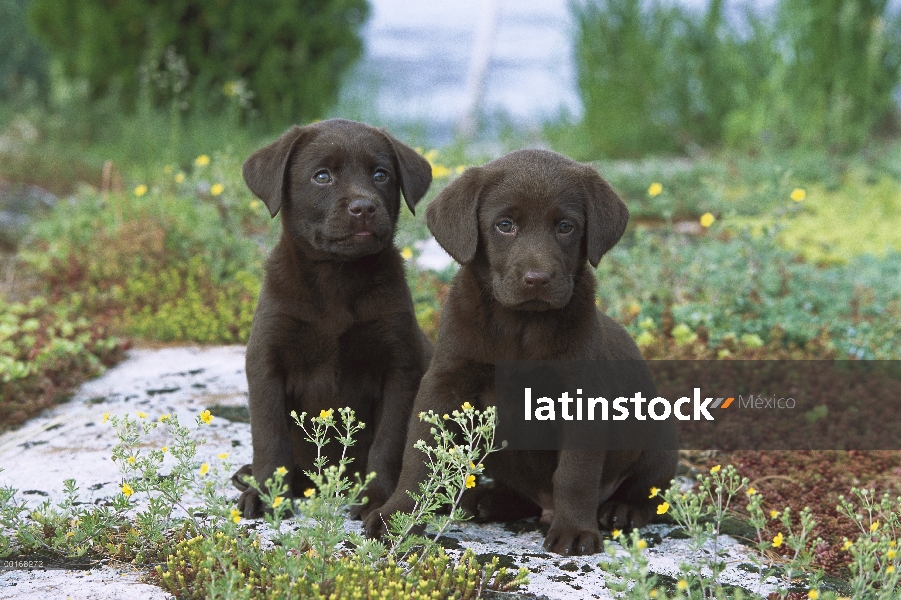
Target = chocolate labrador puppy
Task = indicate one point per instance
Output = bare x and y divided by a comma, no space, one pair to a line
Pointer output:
525,227
334,326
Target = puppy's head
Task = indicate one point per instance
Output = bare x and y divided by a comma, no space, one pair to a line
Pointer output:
337,184
527,222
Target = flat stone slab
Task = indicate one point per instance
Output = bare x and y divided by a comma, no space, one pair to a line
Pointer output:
69,441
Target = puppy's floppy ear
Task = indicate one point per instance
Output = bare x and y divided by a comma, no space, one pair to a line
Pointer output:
266,169
413,170
606,215
452,216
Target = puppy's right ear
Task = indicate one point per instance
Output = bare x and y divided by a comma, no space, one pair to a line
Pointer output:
266,169
452,216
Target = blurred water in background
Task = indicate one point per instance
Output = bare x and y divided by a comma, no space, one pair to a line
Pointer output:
419,64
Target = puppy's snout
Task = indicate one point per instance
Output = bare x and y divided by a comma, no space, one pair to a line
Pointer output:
536,279
361,208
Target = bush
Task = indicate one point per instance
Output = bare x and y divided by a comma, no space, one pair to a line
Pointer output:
291,56
22,60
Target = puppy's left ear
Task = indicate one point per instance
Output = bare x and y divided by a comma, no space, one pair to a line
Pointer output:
414,172
606,215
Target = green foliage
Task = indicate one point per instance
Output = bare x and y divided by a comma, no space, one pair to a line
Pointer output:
23,68
289,56
657,77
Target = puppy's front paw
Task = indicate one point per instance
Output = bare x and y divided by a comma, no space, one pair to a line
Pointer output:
375,525
626,516
249,504
570,540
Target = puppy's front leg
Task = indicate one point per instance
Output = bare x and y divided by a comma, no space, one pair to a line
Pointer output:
272,447
577,480
387,450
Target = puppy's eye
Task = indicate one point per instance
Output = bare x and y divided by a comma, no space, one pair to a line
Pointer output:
322,177
505,226
565,227
380,176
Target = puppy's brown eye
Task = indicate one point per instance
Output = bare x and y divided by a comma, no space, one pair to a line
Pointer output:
322,177
504,226
565,227
380,176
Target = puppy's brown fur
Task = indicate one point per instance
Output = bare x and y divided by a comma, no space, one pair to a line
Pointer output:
334,326
525,227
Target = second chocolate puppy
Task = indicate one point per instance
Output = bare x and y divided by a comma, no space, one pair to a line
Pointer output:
525,227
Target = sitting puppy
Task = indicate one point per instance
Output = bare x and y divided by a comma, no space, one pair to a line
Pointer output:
524,228
334,326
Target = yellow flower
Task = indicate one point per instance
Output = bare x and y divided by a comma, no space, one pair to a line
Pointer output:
813,594
892,543
715,469
70,534
309,492
165,417
325,414
891,554
216,189
202,160
774,514
142,415
798,194
206,416
662,508
278,500
472,465
131,460
847,545
105,417
641,544
127,490
653,594
439,171
459,169
777,541
751,491
236,516
406,253
431,155
615,533
445,417
179,177
707,219
655,189
682,585
230,88
165,449
223,455
282,471
254,204
204,468
140,190
654,492
467,406
890,569
874,526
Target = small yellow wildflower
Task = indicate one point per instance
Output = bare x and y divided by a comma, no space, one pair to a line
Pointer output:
467,406
406,253
254,204
179,177
472,465
105,417
798,194
470,481
751,491
325,414
615,533
641,544
813,594
682,585
127,490
309,492
459,169
140,190
202,160
439,171
223,455
236,516
774,514
204,468
655,189
70,534
282,471
662,508
142,415
707,219
445,417
892,543
890,569
165,417
216,189
847,545
891,554
874,526
131,460
654,492
165,449
278,500
715,469
777,540
206,416
653,594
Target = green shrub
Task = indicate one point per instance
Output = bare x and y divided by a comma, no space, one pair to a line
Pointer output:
290,56
22,60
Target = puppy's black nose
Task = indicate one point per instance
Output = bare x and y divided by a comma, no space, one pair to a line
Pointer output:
536,279
361,208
